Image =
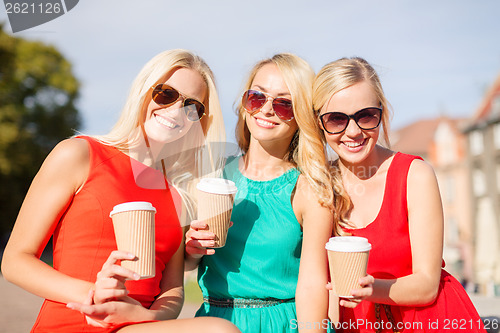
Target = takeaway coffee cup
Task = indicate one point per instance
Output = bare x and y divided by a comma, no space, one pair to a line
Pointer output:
348,259
215,204
134,225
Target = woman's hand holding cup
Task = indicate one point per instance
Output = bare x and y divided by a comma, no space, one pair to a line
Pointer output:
199,240
100,308
110,282
366,291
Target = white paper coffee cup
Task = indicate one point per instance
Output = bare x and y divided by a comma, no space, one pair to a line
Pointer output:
215,204
134,225
348,260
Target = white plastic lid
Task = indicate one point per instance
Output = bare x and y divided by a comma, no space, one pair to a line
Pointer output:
217,186
348,244
133,205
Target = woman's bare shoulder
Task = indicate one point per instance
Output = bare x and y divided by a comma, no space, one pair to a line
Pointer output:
421,178
420,169
69,160
72,151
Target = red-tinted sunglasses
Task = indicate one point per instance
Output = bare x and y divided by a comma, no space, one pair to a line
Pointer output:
165,95
253,100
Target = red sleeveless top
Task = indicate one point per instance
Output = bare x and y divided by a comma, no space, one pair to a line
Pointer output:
390,258
84,236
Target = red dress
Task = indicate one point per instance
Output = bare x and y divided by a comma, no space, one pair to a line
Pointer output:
84,236
390,258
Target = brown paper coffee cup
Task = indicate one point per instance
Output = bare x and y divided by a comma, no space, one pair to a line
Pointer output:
348,259
134,225
215,205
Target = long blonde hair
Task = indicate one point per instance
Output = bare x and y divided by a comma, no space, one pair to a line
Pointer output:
206,155
332,78
306,149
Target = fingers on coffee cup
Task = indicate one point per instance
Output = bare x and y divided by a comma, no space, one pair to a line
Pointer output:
134,225
348,260
215,205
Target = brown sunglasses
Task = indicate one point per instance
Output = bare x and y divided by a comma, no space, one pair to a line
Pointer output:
165,95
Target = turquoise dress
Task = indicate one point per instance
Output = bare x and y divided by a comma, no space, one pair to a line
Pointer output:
252,280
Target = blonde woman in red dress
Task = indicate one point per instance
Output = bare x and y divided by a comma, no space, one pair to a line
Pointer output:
395,203
171,112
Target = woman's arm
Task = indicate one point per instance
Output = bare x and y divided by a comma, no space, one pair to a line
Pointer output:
62,174
169,304
311,295
425,218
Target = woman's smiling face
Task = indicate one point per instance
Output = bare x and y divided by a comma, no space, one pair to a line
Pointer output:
265,125
354,145
167,124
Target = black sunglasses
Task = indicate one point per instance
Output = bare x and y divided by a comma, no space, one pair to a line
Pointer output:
165,95
337,122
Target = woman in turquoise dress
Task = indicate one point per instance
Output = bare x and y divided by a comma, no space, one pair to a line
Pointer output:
272,272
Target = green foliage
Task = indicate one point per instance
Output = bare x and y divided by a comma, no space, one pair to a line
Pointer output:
37,110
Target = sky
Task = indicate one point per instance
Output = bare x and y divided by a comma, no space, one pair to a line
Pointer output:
434,57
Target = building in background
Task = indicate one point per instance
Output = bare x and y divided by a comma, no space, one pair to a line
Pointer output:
483,150
465,154
441,142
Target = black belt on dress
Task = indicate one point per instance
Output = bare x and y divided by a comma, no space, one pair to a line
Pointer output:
245,302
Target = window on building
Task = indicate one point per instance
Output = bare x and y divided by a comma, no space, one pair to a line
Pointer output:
446,143
476,143
450,189
452,233
479,183
496,135
498,178
495,106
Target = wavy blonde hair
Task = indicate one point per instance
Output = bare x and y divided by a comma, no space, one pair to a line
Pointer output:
203,153
332,78
306,149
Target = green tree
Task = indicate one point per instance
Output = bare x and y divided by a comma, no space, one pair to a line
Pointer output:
37,110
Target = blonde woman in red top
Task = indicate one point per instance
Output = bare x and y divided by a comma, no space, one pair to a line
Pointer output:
171,112
395,203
